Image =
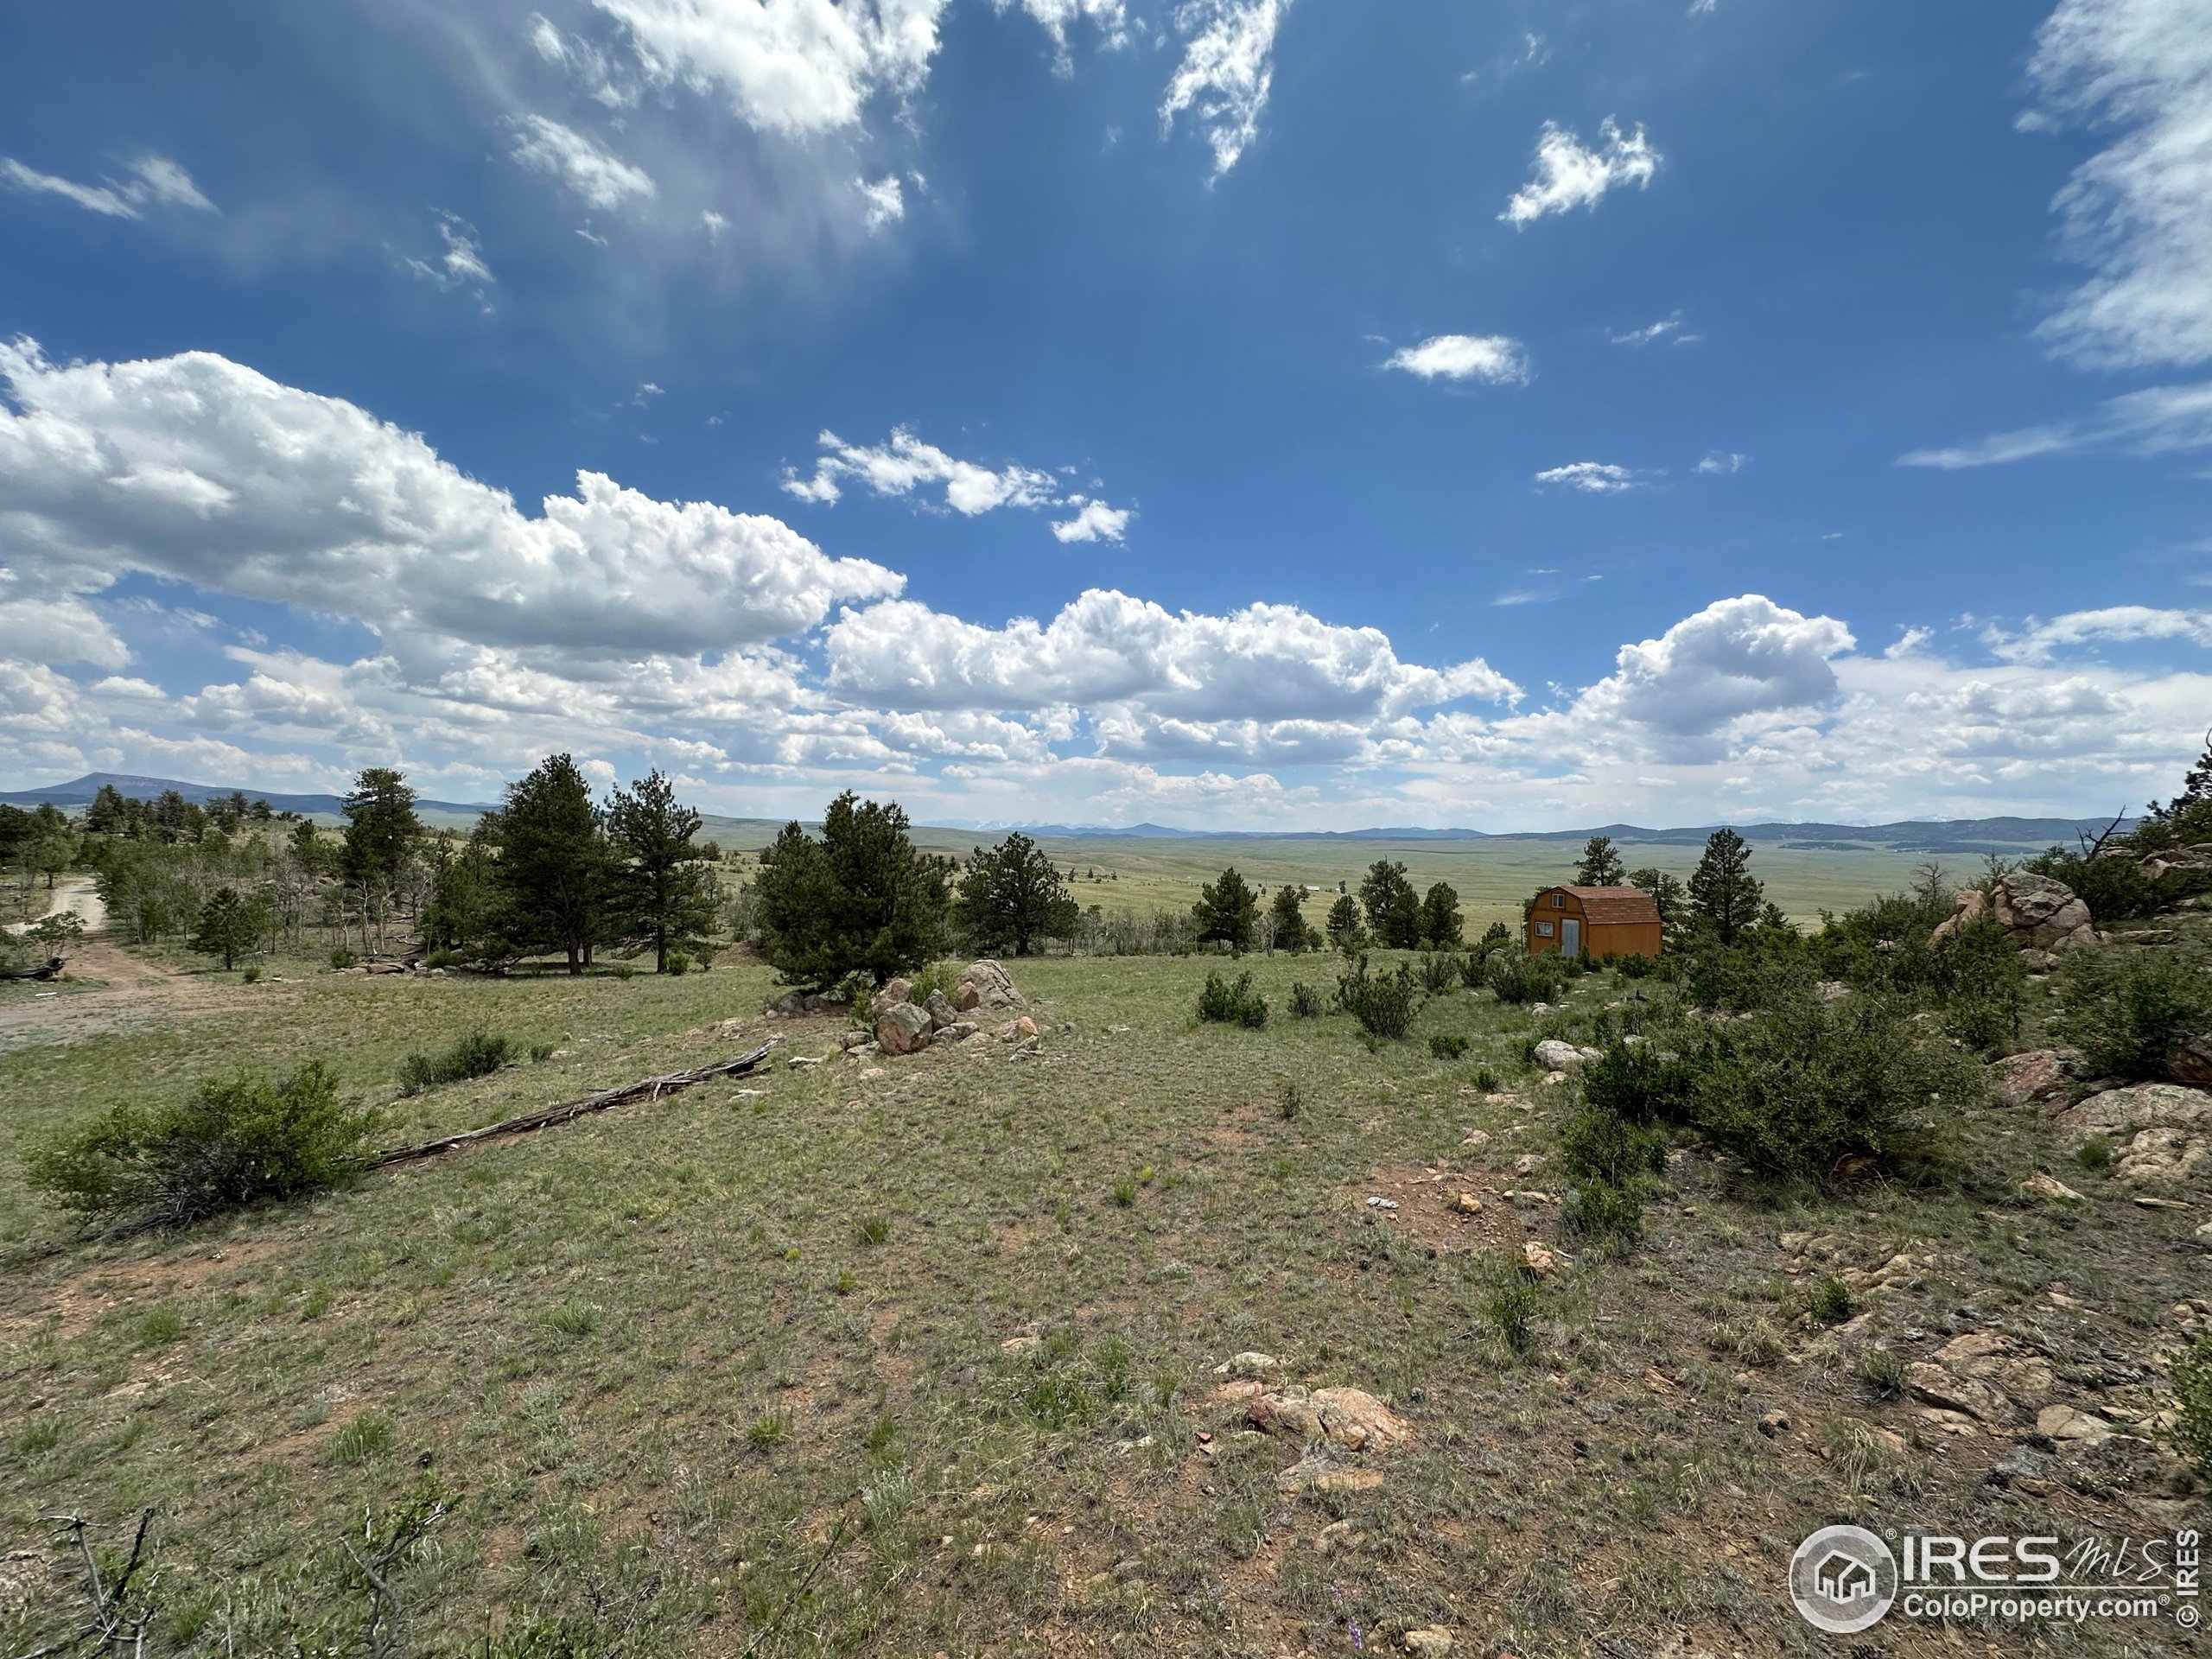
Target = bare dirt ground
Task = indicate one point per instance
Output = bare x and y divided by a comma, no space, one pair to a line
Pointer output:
103,989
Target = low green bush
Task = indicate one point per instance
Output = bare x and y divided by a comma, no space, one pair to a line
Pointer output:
2116,889
1605,1219
477,1055
1447,1046
230,1143
1517,977
678,963
2126,1010
1799,1090
1383,1003
1439,970
1222,1002
1597,1144
2192,1431
1305,1002
442,958
1640,1082
341,957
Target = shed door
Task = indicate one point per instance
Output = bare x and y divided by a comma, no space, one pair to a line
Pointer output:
1570,936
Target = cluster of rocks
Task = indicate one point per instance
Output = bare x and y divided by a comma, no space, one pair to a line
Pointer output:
904,1026
2160,1133
2041,916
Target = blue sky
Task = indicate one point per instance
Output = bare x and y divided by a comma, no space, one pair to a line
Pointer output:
1245,413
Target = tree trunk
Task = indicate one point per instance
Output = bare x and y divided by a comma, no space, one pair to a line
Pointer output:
576,963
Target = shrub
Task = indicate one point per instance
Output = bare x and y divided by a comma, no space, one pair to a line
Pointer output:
574,1318
1305,1002
1802,1089
1485,1080
1827,1300
678,963
1510,1305
1635,968
1223,1003
1447,1047
1515,977
1756,972
933,977
1383,1003
1607,1219
1599,1145
540,1053
2124,1010
1882,1371
249,975
1291,1102
1438,969
229,1144
1639,1083
872,1229
442,958
2094,1153
2192,1431
341,957
477,1055
2114,889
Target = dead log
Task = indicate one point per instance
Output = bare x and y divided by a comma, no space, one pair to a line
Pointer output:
50,969
646,1089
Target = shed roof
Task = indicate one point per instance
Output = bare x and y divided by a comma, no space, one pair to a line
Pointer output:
1614,904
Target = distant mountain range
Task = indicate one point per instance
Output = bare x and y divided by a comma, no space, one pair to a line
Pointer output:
1954,836
79,791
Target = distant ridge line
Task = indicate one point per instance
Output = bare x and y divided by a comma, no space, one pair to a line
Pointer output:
1931,835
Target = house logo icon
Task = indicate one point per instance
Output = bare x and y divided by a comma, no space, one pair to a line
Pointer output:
1843,1580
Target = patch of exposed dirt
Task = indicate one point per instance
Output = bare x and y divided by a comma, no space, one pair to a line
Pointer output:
132,993
75,1305
1428,1208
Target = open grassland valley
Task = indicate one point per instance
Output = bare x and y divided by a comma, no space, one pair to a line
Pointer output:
1279,1293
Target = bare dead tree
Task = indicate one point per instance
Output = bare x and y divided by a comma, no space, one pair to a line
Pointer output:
2092,847
116,1623
388,1548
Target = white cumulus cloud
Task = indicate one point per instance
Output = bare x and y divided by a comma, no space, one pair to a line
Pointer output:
1492,358
1592,477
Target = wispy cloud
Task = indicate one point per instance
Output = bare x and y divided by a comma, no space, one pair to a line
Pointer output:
1722,460
1568,176
2158,420
149,182
1227,69
1594,477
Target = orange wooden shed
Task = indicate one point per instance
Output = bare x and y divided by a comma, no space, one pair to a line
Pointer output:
1594,921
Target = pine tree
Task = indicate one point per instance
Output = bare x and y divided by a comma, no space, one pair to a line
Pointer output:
662,891
1013,898
1227,911
1439,917
553,864
230,927
1601,865
381,828
1723,895
1286,911
1347,933
861,900
1393,908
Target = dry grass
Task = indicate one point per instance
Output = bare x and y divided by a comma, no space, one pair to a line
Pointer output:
728,1370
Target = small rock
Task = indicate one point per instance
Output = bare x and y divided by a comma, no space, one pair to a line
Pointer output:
1067,1027
893,993
2071,1423
940,1010
1527,1163
1476,1138
994,987
1350,1418
2147,936
1381,1203
958,1031
800,1062
1430,1643
1467,1204
1556,1056
1016,1346
1317,1473
1773,1423
2040,1074
902,1028
1251,1362
1538,1258
1831,991
854,1038
2041,1185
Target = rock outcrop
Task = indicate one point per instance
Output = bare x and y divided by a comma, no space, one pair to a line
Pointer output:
902,1028
2038,1075
2035,912
992,986
2159,1131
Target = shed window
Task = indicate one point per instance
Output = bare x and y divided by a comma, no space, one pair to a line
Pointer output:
1544,930
1559,901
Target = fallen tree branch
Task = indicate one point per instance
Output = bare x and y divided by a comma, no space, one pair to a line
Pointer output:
649,1089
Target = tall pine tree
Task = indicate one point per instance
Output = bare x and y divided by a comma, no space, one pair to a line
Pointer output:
1723,893
663,889
1228,912
1601,865
553,865
1013,898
